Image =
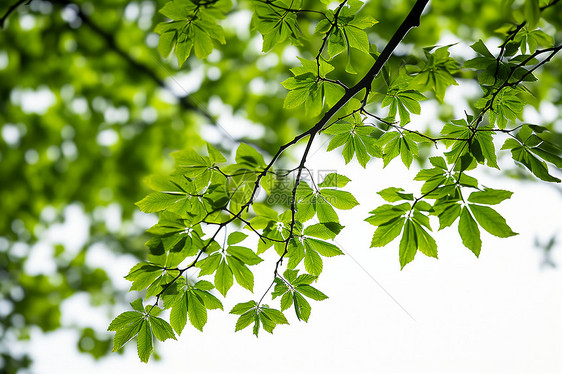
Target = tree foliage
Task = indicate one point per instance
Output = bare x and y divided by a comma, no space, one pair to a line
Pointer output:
361,79
212,194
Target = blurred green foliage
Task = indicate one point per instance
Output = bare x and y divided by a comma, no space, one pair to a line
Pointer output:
88,108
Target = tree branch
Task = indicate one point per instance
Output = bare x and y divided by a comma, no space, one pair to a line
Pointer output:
411,21
11,9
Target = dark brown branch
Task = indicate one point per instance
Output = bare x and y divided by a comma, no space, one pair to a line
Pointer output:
549,5
411,21
11,9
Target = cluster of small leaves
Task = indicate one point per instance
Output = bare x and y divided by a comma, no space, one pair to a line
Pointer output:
193,26
399,96
142,323
437,73
470,143
205,194
310,88
343,30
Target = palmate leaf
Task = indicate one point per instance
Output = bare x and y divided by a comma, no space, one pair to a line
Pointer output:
437,74
232,265
346,33
308,87
142,324
192,304
469,232
395,144
322,203
263,316
356,139
311,250
402,102
406,219
295,296
193,26
276,27
527,145
529,39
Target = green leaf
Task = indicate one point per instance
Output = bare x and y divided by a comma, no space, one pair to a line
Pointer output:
393,194
327,230
236,237
157,201
166,43
408,244
123,320
311,292
142,275
334,180
302,307
386,213
387,232
242,308
438,162
426,244
491,221
223,278
137,305
125,334
196,311
481,48
246,255
469,232
339,199
210,300
144,342
247,156
325,212
532,12
547,156
178,315
243,275
209,264
324,248
449,215
204,285
286,301
488,149
275,315
215,155
245,320
489,196
312,262
161,329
